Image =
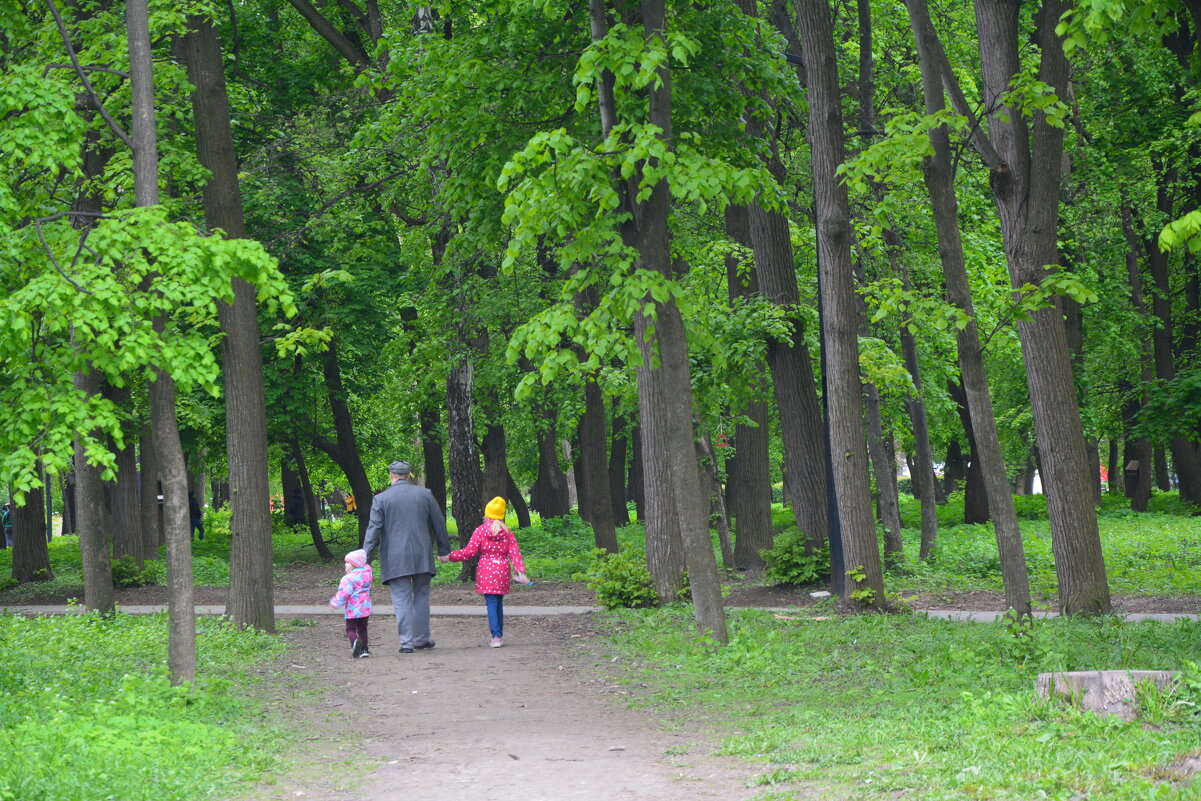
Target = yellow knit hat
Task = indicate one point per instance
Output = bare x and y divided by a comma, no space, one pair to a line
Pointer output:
495,509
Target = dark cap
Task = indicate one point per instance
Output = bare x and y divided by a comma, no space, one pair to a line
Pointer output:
400,468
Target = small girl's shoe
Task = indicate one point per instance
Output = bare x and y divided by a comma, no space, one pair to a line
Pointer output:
365,654
497,642
356,649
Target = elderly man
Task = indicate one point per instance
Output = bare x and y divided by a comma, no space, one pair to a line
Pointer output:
404,521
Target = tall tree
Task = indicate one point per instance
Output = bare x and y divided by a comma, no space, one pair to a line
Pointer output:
250,583
939,180
848,447
1025,169
181,615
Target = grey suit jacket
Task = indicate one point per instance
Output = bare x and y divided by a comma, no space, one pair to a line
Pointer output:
404,521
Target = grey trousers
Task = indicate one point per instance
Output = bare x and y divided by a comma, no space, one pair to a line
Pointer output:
411,600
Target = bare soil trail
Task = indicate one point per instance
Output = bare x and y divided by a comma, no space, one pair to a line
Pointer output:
534,720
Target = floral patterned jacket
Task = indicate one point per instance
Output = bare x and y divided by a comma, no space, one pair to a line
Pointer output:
354,592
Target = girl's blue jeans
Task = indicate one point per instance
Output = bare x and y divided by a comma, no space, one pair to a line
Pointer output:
496,613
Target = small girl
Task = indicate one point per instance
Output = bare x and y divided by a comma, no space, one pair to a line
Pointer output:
354,592
496,546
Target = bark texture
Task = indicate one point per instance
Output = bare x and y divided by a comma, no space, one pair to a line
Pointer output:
939,179
250,578
840,330
1025,182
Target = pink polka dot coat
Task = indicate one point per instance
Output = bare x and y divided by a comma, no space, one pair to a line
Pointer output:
495,550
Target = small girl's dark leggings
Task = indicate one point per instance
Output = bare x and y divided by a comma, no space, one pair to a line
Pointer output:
356,629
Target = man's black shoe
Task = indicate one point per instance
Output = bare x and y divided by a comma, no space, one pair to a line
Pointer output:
429,644
406,650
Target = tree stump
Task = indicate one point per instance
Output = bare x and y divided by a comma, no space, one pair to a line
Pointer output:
1105,692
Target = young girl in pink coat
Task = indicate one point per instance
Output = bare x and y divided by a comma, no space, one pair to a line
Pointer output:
497,547
354,593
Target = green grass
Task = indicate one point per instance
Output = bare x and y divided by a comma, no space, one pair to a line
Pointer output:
1145,554
896,706
87,712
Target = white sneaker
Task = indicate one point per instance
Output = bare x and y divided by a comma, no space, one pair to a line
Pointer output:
497,642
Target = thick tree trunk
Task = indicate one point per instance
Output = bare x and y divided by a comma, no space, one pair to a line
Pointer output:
125,514
861,552
494,449
432,455
791,369
748,471
95,541
617,471
665,386
1026,182
31,556
250,578
939,179
1136,472
596,504
313,515
954,466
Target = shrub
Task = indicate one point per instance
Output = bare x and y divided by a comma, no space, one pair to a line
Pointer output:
620,580
788,562
126,573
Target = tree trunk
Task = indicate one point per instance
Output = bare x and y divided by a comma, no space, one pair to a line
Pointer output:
939,180
596,504
466,484
617,471
748,471
67,483
1184,453
1136,469
181,613
494,449
664,382
31,556
432,455
94,522
310,501
345,451
295,507
923,459
250,579
1026,182
125,515
637,476
860,549
791,369
711,475
549,494
975,494
148,486
518,503
954,468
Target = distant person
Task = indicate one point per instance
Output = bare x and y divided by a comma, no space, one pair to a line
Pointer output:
195,515
404,522
6,515
354,593
497,549
351,504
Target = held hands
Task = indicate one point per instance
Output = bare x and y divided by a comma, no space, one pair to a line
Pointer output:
443,559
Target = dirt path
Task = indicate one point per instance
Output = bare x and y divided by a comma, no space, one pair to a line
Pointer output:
532,721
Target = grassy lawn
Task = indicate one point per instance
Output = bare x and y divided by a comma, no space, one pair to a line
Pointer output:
87,712
900,706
